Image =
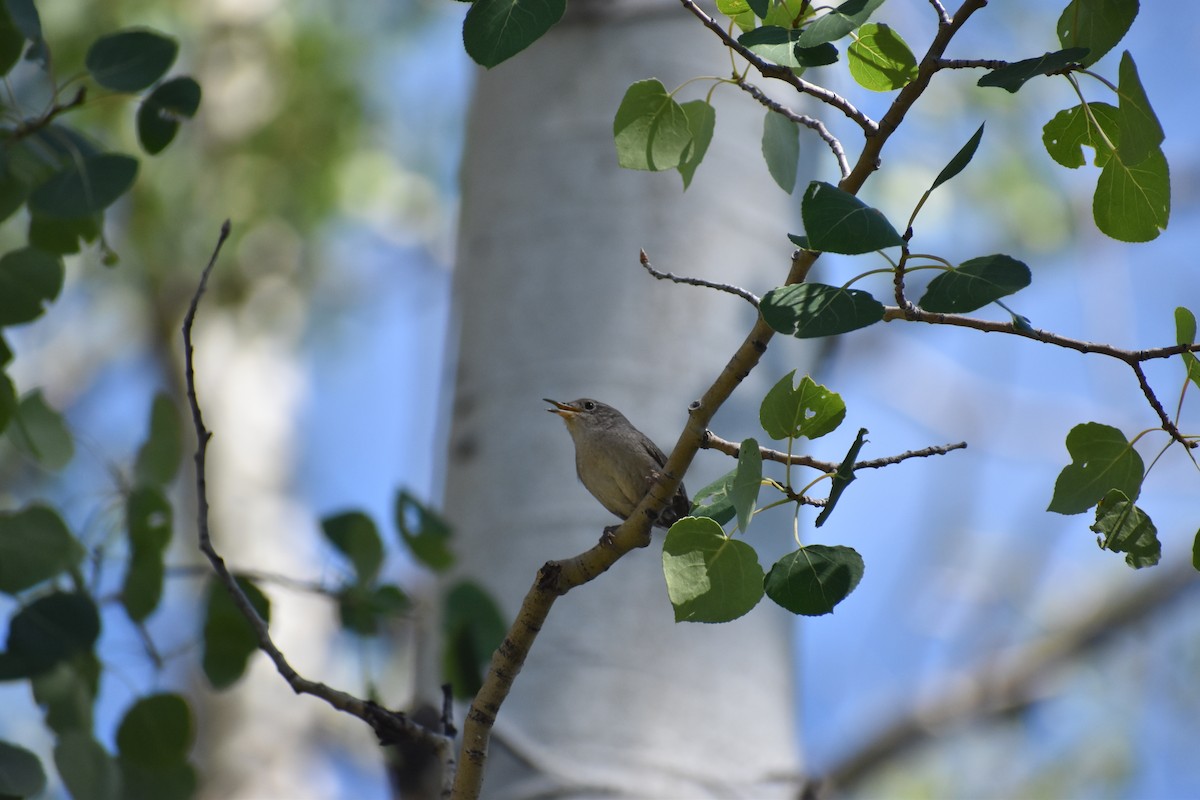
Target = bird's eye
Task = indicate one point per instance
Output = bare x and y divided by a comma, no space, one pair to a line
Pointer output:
588,405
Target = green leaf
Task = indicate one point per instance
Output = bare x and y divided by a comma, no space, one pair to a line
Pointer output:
1095,125
86,768
130,60
1102,459
63,236
714,501
229,641
148,517
701,120
960,160
710,577
759,7
29,279
472,629
8,401
1133,203
41,433
781,149
67,692
842,477
650,129
1012,77
21,774
975,283
814,579
773,43
361,608
809,410
156,731
176,781
51,630
496,30
158,458
424,531
354,534
12,41
1185,333
1140,131
838,222
808,310
160,114
880,60
1096,25
1196,552
1125,528
746,482
35,545
85,188
838,22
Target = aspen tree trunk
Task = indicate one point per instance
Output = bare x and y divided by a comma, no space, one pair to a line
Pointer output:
616,700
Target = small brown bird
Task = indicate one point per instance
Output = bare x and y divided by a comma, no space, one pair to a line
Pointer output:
615,461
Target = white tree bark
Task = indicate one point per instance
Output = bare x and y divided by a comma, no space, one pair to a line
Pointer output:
615,699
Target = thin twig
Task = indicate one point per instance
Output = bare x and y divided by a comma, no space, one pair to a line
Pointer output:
714,442
392,728
970,63
943,16
29,126
800,119
770,70
748,296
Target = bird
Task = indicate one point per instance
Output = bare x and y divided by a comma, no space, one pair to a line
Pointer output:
615,461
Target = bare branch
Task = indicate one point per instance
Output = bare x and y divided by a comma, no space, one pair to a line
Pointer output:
770,70
943,16
970,63
800,119
746,295
714,442
392,728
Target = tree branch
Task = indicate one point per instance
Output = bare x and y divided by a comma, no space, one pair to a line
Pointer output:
392,728
800,119
714,442
746,295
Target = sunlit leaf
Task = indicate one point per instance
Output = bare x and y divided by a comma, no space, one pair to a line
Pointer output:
1125,528
1102,459
809,409
650,129
1097,25
808,310
879,59
710,578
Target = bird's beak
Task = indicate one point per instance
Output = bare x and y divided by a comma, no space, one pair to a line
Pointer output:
564,410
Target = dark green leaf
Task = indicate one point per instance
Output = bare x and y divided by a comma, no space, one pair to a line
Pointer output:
1095,125
67,691
496,30
130,60
8,401
354,534
714,500
229,641
63,236
29,279
1102,459
781,149
1133,203
148,515
35,545
808,310
809,410
879,59
175,781
702,120
25,16
157,731
838,22
1125,528
424,531
1196,552
1140,131
975,283
361,608
838,222
86,768
472,629
41,433
960,160
1096,25
814,579
746,482
1185,333
710,577
1012,77
159,456
12,41
21,774
160,114
85,188
52,629
650,129
759,7
842,477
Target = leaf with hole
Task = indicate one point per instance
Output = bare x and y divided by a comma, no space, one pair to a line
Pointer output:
1097,25
1102,459
1094,125
160,114
809,409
